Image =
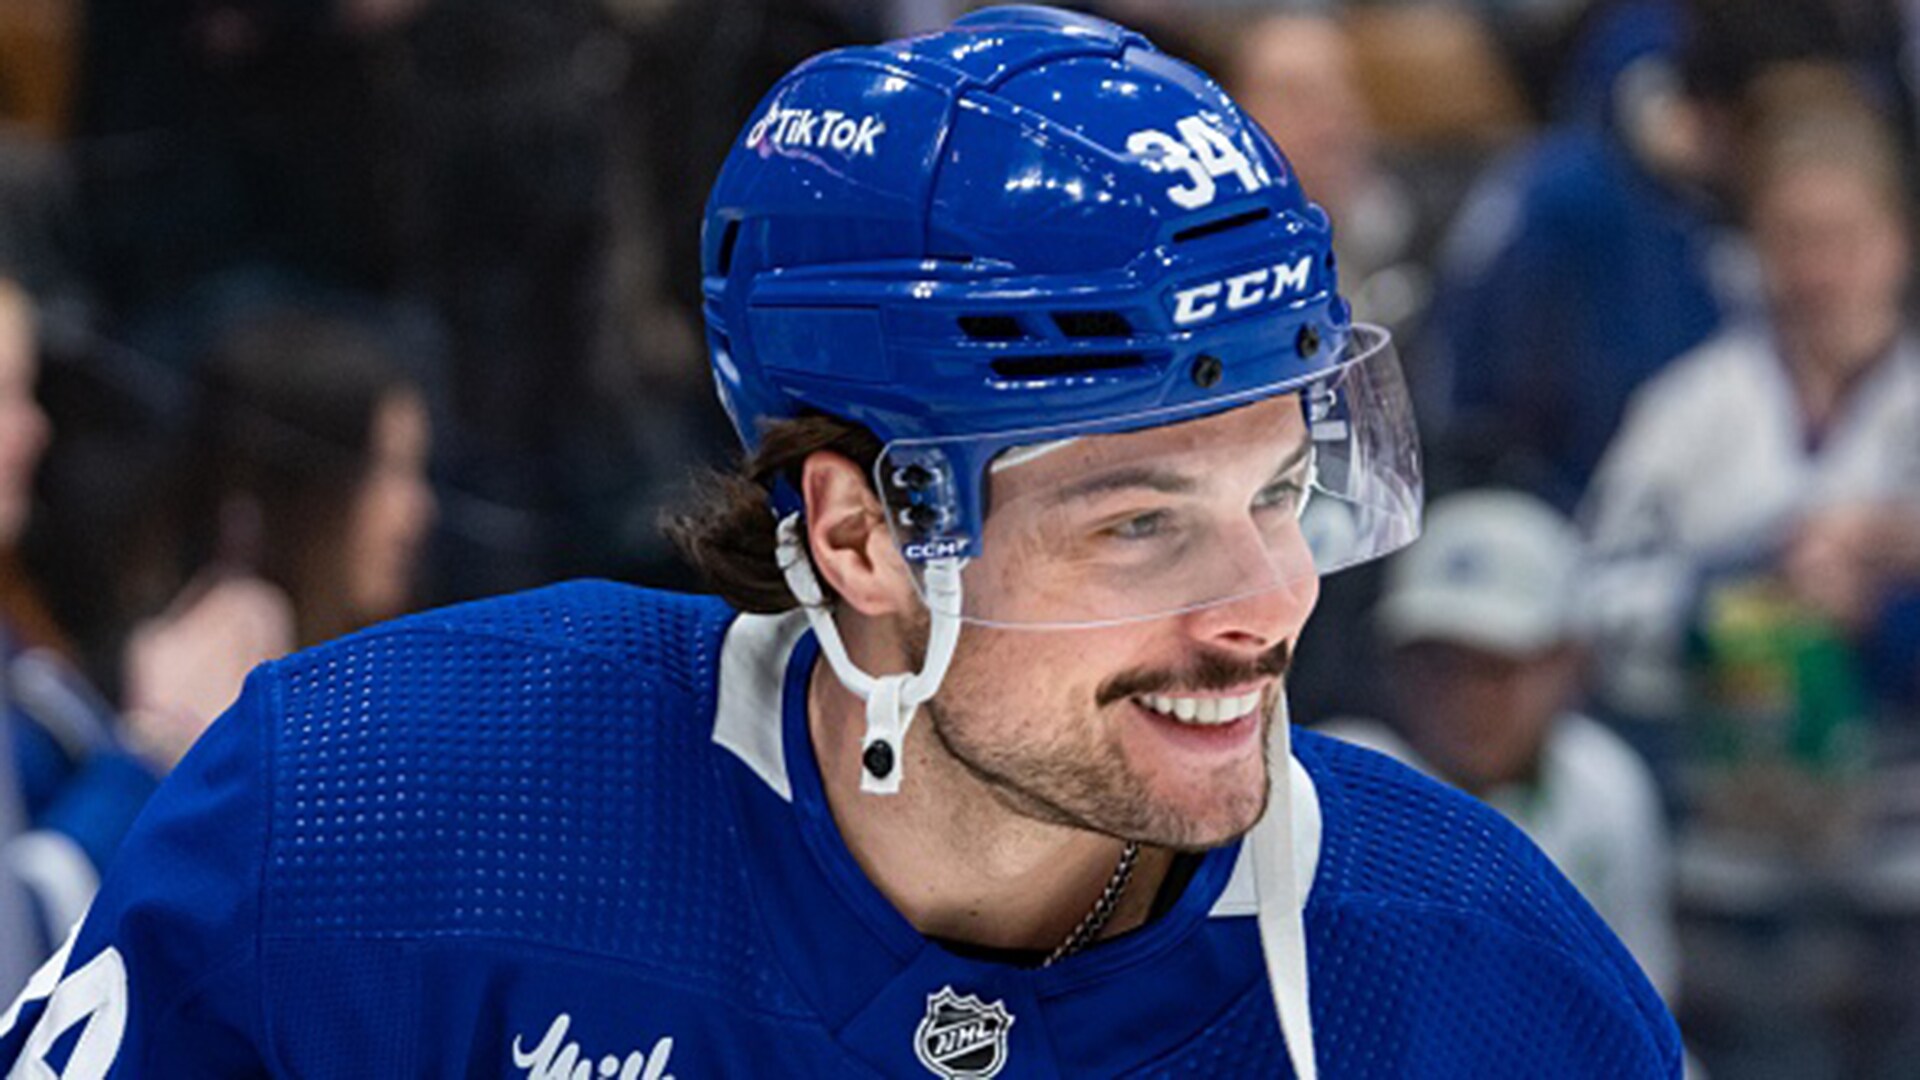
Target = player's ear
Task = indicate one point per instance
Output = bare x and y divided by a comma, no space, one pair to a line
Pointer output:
847,533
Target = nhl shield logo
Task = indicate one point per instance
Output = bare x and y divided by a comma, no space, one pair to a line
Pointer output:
961,1037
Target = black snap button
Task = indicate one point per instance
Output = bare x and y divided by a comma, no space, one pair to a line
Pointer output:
878,758
1207,370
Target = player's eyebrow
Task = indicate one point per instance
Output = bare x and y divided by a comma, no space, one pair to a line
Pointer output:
1162,480
1292,461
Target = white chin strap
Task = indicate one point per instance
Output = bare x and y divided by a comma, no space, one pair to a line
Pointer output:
891,700
1282,914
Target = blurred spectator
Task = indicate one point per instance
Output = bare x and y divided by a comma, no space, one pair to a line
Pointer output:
1580,266
228,157
1774,472
1294,74
1486,667
514,177
309,508
506,182
1433,73
25,432
67,793
314,447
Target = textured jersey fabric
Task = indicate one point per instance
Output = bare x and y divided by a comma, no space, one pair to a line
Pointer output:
507,840
1594,809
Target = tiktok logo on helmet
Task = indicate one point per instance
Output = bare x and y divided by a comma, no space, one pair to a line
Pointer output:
786,129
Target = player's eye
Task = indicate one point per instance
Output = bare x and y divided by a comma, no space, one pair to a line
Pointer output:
1288,493
1288,496
1141,526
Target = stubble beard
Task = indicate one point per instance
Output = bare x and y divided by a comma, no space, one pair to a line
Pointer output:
1104,796
1094,788
1090,784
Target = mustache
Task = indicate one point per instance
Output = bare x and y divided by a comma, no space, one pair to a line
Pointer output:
1211,672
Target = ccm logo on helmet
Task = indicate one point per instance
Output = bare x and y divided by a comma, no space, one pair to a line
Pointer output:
826,129
936,549
1242,291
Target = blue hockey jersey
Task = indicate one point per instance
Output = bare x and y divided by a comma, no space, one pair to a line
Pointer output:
68,793
580,833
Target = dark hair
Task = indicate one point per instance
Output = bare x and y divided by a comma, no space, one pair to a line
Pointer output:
1730,43
285,428
728,536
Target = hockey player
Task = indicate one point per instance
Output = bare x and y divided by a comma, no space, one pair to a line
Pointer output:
1036,349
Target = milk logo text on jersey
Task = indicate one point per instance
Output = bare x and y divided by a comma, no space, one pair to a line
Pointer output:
962,1037
822,129
554,1058
1201,154
1265,285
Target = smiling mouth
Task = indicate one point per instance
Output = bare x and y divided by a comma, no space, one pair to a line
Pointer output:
1202,711
1222,688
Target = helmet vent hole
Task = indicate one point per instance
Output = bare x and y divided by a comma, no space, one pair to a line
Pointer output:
727,240
1222,224
992,327
1092,324
1053,367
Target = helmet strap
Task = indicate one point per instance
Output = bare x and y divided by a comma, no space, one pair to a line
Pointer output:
1282,904
892,700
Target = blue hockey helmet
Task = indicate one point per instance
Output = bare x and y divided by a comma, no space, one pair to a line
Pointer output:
1025,232
1058,272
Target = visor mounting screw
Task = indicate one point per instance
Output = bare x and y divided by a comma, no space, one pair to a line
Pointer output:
915,477
1207,370
1308,342
922,518
878,758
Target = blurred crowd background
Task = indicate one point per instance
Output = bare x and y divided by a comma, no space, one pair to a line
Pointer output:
313,312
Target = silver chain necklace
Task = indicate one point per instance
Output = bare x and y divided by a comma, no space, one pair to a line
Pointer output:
1103,908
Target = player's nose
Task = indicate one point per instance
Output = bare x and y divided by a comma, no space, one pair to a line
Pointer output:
1270,612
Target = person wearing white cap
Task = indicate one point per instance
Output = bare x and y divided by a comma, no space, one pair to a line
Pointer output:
1486,657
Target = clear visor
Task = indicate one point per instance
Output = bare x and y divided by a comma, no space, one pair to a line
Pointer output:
1171,511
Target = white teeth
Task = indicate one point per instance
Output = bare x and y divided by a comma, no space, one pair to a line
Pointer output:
1208,710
